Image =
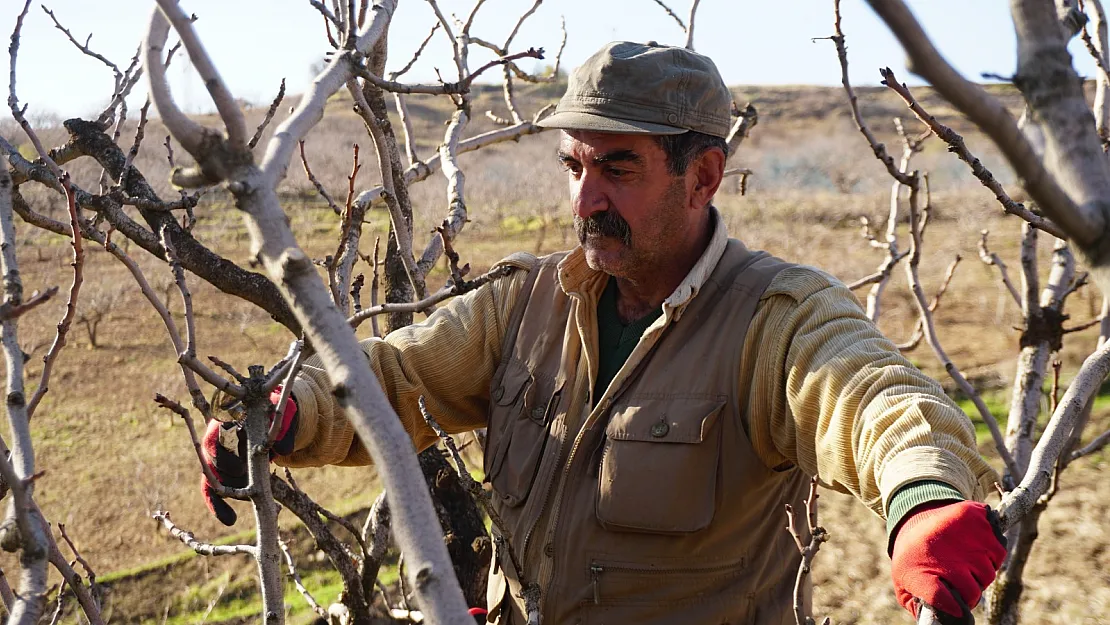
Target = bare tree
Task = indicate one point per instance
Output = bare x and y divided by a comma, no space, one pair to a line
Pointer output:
224,160
1068,183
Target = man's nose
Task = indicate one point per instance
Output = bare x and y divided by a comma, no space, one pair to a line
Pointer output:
587,196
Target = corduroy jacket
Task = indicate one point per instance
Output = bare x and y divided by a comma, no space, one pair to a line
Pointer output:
660,501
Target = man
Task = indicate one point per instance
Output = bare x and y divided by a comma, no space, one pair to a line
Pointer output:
654,396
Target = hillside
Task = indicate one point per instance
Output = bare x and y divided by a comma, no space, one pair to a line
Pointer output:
111,457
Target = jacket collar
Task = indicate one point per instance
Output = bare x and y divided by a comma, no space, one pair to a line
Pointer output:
576,277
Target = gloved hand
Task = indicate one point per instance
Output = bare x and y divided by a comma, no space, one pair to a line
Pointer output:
225,446
944,548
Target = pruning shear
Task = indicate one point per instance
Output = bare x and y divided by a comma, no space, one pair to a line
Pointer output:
926,615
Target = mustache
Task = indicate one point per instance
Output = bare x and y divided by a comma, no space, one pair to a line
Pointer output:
603,224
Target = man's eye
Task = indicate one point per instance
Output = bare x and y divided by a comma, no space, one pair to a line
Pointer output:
617,173
574,168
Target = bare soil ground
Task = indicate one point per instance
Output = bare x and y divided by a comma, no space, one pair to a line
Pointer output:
111,458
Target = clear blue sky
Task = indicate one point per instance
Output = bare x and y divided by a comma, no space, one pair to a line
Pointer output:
257,42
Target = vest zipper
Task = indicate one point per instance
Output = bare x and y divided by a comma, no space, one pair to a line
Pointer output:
595,575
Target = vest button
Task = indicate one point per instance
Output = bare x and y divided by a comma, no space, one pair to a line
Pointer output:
538,412
549,550
659,430
498,393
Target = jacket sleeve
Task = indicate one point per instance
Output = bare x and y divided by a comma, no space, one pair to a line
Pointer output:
449,358
836,398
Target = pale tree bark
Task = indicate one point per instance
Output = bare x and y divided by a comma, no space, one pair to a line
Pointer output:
272,243
1071,184
23,528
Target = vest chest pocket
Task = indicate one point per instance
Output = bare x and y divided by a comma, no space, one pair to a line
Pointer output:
659,466
521,410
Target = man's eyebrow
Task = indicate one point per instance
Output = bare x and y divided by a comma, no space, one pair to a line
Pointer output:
619,156
565,157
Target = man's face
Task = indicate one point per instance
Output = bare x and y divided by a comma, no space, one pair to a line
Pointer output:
628,208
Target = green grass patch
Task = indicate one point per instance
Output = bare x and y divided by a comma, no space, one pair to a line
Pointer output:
241,600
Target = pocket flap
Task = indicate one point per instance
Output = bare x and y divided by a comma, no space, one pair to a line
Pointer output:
669,420
515,380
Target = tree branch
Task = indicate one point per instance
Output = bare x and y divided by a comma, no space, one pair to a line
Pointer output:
957,146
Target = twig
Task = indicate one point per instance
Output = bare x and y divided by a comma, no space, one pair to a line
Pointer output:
203,549
269,116
450,88
84,48
1095,445
324,512
190,351
350,232
374,286
918,332
187,359
9,310
422,170
326,12
877,148
341,557
673,15
416,55
220,489
931,335
316,183
1086,324
134,151
745,121
384,149
991,258
429,302
321,612
690,24
957,146
212,603
13,100
169,152
806,548
230,370
406,125
59,604
78,265
286,390
89,573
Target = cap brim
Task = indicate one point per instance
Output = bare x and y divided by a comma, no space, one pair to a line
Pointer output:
569,120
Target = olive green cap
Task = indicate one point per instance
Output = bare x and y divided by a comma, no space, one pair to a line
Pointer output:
644,88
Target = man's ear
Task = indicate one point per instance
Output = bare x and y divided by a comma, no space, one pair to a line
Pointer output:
708,170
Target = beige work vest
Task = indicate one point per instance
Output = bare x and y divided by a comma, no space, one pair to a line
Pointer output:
666,514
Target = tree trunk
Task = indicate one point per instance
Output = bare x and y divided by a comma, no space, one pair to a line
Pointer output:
1003,602
464,529
398,286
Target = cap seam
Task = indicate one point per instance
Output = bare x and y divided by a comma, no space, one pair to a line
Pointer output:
647,106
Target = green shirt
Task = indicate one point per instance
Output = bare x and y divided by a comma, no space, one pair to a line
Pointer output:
615,340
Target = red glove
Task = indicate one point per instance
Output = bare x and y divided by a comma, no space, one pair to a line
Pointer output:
225,445
479,614
944,547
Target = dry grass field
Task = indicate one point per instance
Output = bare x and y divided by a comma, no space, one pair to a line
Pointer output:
111,458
